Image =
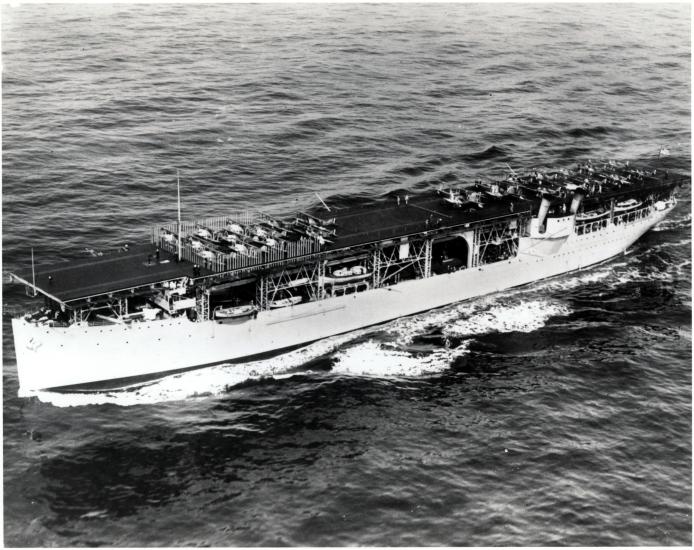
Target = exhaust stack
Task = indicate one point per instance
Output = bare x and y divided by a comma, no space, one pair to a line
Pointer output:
542,214
577,200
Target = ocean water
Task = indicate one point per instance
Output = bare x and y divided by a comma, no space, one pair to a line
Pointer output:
557,413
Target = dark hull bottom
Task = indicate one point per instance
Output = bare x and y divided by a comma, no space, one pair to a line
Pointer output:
134,382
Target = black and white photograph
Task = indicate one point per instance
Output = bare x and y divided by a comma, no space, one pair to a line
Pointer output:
346,274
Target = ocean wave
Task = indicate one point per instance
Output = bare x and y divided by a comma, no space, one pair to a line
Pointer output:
491,152
281,95
393,359
522,317
590,131
674,223
378,360
321,124
672,244
417,170
263,439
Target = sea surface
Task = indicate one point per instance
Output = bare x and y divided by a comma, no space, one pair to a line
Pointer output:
558,413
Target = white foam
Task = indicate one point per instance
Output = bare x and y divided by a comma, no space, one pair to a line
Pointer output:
620,272
676,223
483,316
406,329
673,244
520,317
383,361
507,309
684,267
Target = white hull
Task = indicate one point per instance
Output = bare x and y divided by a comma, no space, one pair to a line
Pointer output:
50,357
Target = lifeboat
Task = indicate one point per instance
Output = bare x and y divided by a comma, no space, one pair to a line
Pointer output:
623,206
299,282
348,275
591,216
235,312
285,302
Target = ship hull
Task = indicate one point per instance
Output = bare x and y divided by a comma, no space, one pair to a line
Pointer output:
57,357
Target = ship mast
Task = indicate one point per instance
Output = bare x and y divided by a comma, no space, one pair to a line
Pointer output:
33,272
178,189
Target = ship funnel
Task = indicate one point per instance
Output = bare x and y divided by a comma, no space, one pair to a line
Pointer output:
576,202
542,214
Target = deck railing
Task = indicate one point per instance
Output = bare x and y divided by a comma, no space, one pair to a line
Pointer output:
582,228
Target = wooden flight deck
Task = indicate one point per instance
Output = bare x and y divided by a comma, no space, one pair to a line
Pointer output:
94,276
138,267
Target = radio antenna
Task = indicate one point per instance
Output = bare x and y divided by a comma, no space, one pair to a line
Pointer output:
178,189
323,202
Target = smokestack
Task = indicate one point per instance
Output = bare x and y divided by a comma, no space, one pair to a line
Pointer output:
542,214
576,202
